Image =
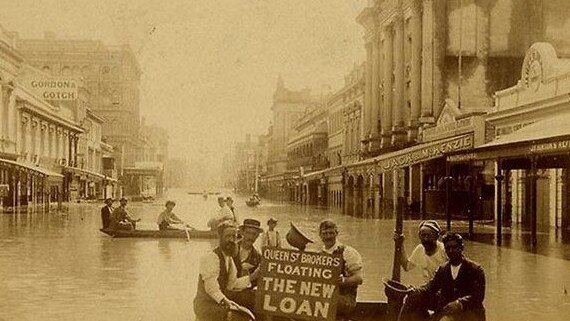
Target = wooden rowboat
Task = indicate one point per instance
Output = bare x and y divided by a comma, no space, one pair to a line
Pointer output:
180,234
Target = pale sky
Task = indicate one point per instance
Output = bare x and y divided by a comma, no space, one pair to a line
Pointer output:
210,66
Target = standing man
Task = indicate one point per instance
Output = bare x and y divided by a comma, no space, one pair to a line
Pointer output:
461,283
106,213
224,214
230,203
271,237
249,256
121,218
218,280
429,254
351,267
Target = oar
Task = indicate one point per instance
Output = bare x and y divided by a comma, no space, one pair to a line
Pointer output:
239,308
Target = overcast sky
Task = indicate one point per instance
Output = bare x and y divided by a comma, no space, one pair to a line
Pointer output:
210,66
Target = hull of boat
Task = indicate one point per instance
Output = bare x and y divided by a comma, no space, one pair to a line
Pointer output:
181,234
251,204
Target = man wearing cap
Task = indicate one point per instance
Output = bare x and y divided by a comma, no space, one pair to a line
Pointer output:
429,254
218,281
351,267
224,214
121,218
460,283
106,213
249,256
271,238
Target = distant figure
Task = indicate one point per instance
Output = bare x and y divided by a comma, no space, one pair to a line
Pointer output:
428,255
230,203
166,218
460,283
106,213
121,218
271,238
224,214
205,195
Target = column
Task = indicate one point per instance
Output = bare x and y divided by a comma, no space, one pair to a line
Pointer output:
427,62
387,88
374,91
398,130
13,118
3,118
416,75
532,177
35,133
368,91
499,201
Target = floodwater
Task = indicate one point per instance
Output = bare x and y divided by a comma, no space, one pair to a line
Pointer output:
58,266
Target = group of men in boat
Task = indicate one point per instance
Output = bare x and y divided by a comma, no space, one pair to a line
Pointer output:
119,218
454,286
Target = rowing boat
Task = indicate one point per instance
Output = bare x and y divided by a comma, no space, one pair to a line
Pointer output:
181,234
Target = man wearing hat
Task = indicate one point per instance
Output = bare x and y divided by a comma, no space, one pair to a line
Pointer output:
224,214
249,256
121,218
351,267
271,238
429,254
458,285
219,284
106,212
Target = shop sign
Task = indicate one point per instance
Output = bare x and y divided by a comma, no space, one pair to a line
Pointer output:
299,285
446,129
54,88
461,157
420,154
554,146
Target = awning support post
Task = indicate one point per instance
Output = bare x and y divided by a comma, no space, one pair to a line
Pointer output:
533,176
448,196
499,200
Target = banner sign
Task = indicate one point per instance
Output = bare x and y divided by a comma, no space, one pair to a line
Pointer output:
548,147
428,151
54,88
299,285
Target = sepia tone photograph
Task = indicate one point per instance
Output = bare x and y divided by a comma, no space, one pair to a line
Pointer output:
285,160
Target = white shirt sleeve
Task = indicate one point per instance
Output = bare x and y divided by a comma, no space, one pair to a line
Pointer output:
209,272
235,283
352,259
414,258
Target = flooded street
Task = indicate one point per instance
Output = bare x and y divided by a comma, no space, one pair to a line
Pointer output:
63,262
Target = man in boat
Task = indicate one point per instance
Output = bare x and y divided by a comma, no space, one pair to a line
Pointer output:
106,213
351,267
271,238
121,218
224,214
429,254
230,204
461,283
166,218
249,256
218,282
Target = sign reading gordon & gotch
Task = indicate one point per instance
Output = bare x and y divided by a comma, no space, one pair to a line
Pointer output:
300,285
54,88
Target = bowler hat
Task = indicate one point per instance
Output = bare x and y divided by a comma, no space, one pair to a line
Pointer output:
123,200
249,222
271,220
109,201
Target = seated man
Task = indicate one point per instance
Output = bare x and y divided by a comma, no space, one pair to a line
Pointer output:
218,282
121,218
461,282
166,218
351,267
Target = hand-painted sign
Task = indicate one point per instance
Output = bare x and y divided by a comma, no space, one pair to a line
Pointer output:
300,285
425,152
553,146
54,88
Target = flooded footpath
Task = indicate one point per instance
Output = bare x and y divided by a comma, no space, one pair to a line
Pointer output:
58,266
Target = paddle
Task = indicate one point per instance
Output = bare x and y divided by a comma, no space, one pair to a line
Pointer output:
241,310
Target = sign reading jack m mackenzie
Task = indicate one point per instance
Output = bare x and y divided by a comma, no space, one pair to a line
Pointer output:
298,285
54,88
418,154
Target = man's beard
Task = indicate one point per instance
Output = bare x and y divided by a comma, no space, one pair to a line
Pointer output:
230,248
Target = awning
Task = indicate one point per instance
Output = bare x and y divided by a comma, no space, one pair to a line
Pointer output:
86,172
39,170
549,136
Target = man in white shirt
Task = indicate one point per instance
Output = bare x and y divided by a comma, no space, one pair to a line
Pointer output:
218,282
351,267
224,214
429,254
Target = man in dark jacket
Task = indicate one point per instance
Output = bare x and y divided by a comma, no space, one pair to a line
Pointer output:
460,283
106,212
